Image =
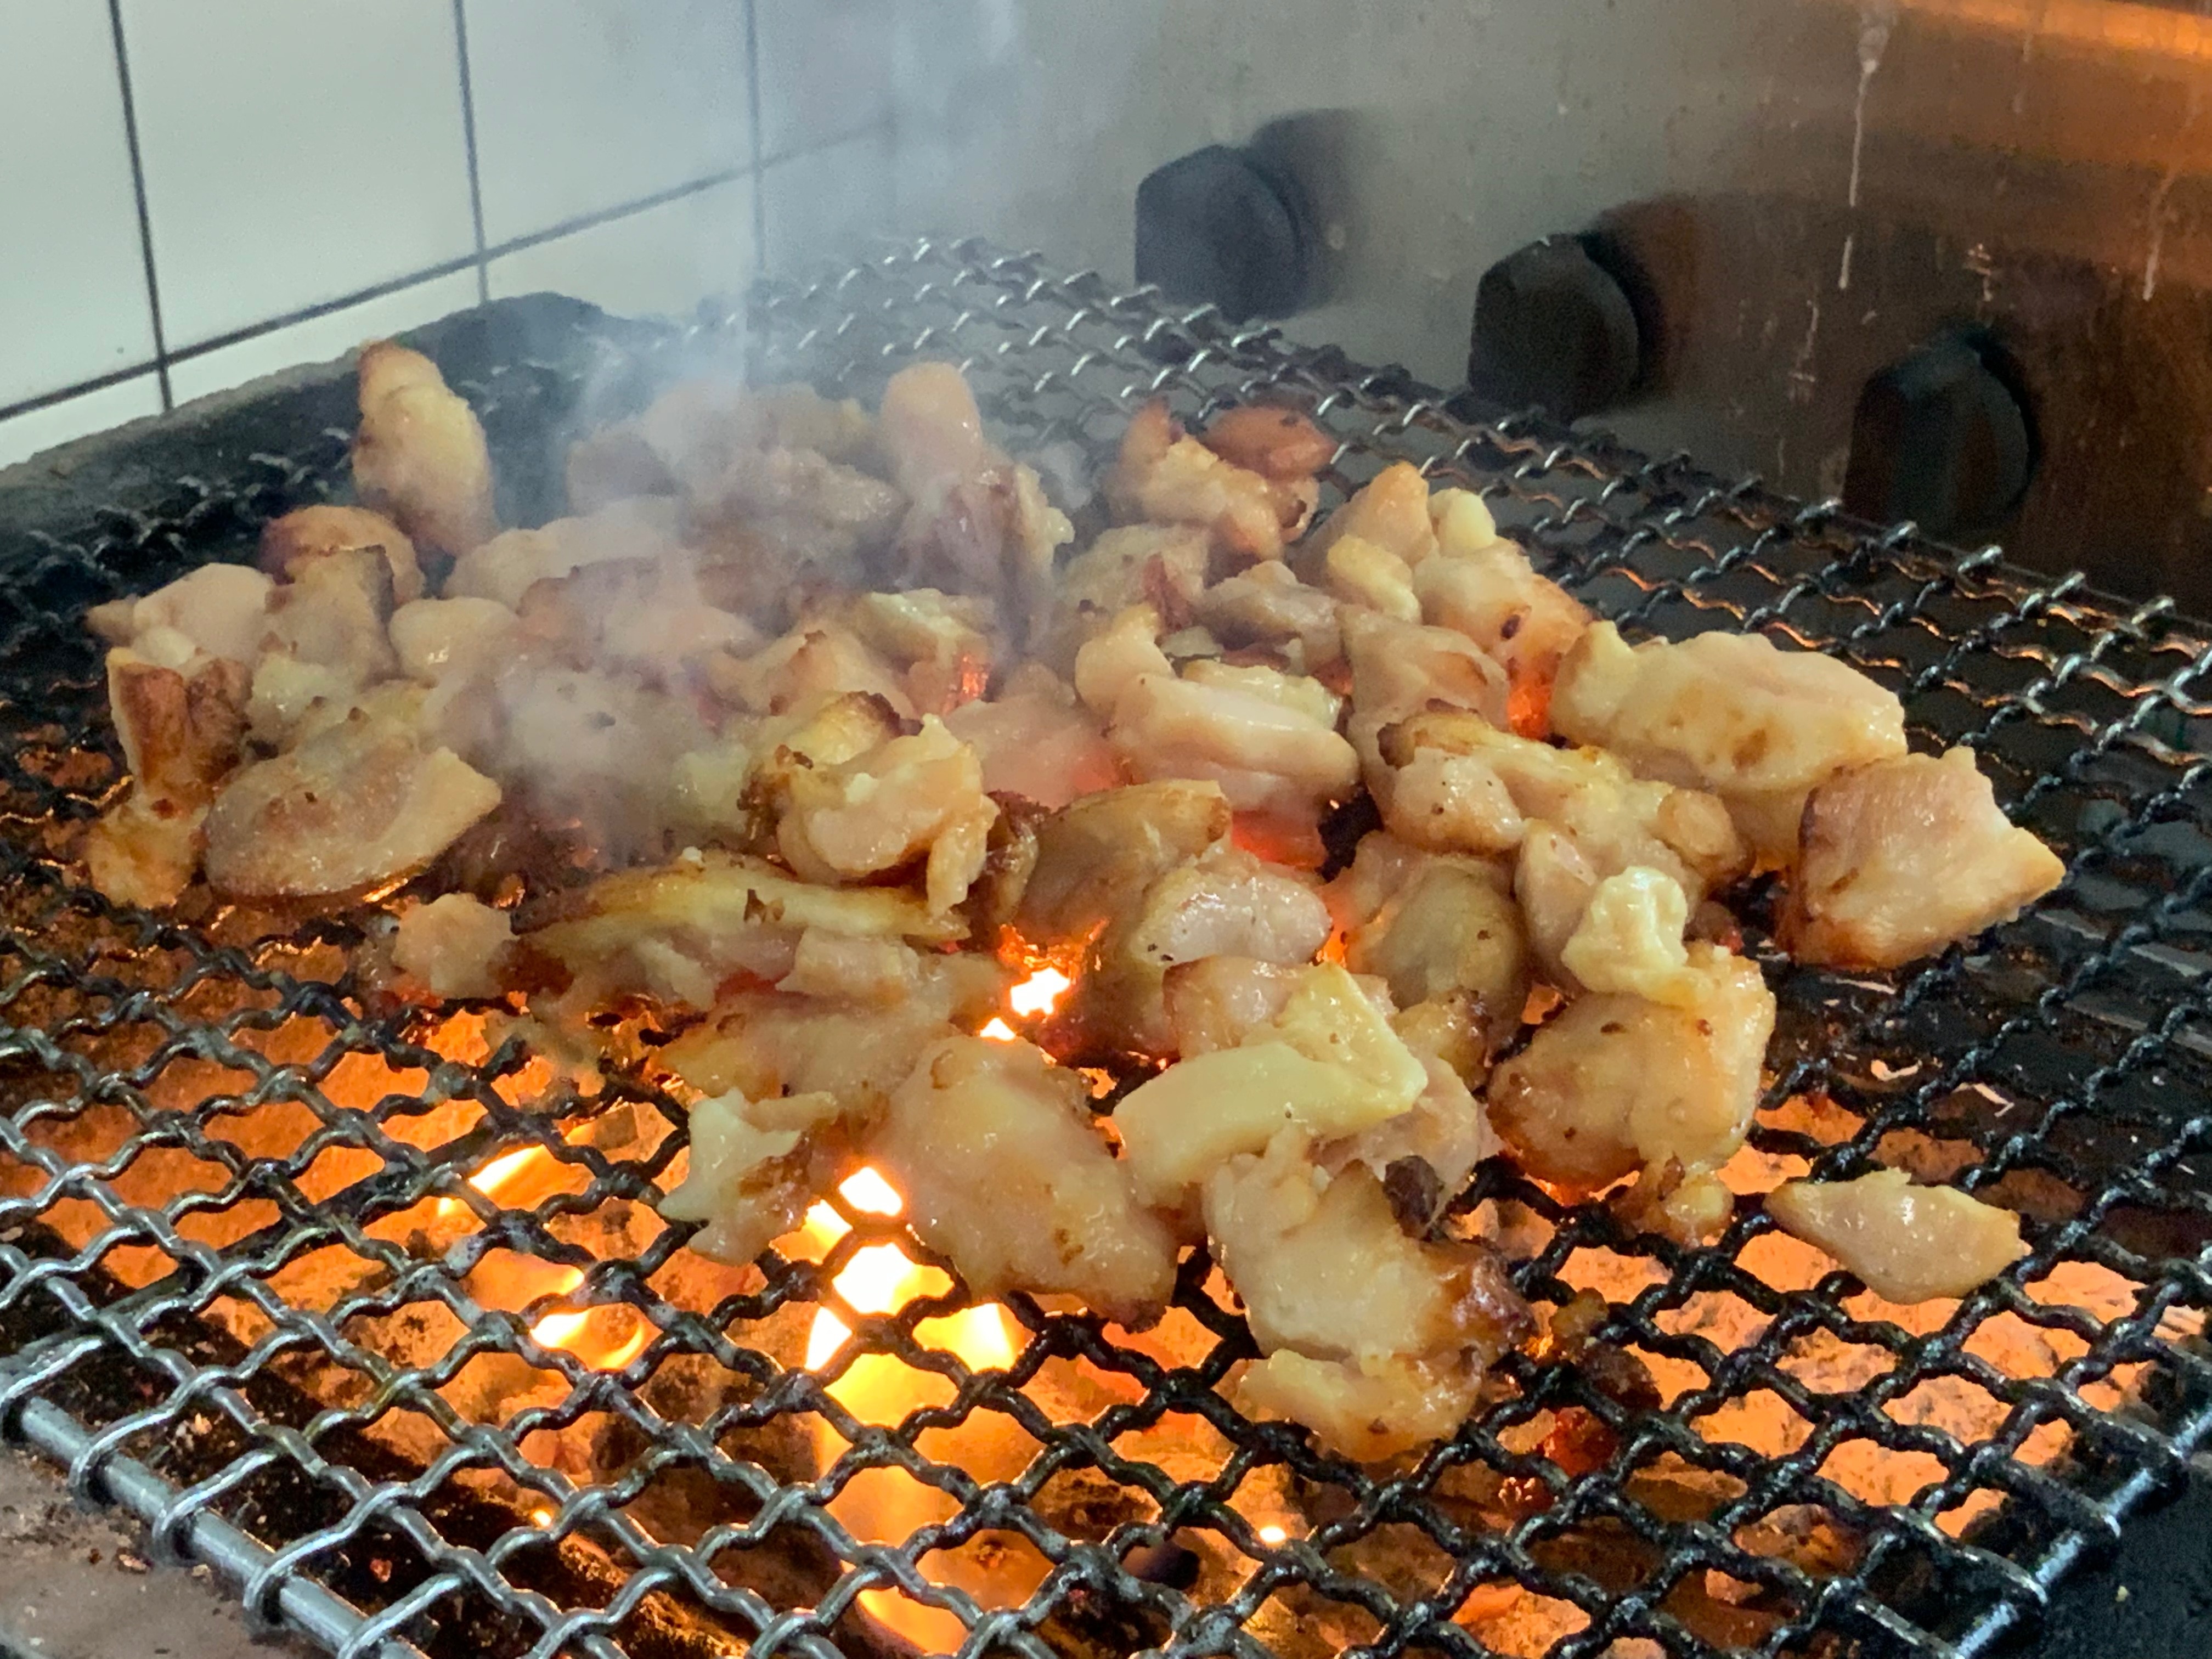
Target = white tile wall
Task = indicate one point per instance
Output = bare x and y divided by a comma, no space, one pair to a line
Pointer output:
294,153
73,284
584,105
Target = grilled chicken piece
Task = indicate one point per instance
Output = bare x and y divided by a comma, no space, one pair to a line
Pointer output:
352,809
1629,940
1525,621
1160,565
1452,928
1616,1084
755,1166
992,1145
144,853
1367,1409
291,544
437,640
1399,669
1097,856
1391,510
979,523
1899,859
1729,712
1169,477
1423,1156
1329,1063
918,797
180,728
325,641
505,566
1908,1243
835,509
631,616
678,932
820,658
1276,443
419,457
685,441
219,609
942,643
1365,574
457,945
1268,606
1035,741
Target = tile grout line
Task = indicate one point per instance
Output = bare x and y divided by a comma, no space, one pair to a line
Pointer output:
138,191
753,114
468,139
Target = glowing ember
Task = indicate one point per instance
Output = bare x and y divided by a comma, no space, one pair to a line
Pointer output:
998,1032
1038,993
870,1193
1272,1534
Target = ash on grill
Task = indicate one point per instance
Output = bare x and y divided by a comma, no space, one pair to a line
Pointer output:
397,1306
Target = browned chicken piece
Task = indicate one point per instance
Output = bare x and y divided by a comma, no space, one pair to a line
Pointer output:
1391,511
1097,855
1399,669
915,798
979,522
505,566
1729,712
419,456
1424,1155
1907,1243
1034,740
457,945
1615,1083
1278,444
145,852
1268,606
755,1166
1688,1209
1525,621
306,534
677,932
992,1145
1453,926
180,728
943,643
326,639
1169,477
1328,1062
1163,566
220,609
1901,858
350,810
1366,1410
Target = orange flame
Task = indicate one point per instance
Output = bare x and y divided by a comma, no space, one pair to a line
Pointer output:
499,1173
1038,994
998,1032
566,1331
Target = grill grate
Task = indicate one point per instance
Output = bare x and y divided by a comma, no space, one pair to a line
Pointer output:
247,1289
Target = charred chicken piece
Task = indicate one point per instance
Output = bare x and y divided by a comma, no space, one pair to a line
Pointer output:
1908,1243
1729,712
291,544
1616,1084
1898,858
992,1146
419,457
181,729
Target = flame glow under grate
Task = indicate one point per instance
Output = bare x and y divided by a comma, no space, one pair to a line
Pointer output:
378,1319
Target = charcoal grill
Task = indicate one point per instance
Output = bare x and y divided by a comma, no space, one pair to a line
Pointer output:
240,1252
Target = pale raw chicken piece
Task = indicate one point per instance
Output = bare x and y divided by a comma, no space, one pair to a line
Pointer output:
755,1166
1268,606
1391,510
219,609
1227,904
1299,693
306,534
818,658
1169,477
352,809
1729,712
1399,669
1097,856
1271,760
1363,573
419,456
1629,939
992,1145
597,749
1526,621
677,932
504,566
914,798
1035,741
1117,656
1366,1410
980,523
438,639
1452,928
1328,1063
1901,858
1160,565
942,641
1908,1243
1616,1084
1276,443
455,945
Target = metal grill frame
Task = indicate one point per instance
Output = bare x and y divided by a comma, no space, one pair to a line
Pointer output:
2087,1022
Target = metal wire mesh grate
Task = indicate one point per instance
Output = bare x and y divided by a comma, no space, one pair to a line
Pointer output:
257,1281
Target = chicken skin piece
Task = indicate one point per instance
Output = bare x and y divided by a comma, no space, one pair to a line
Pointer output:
1910,1244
